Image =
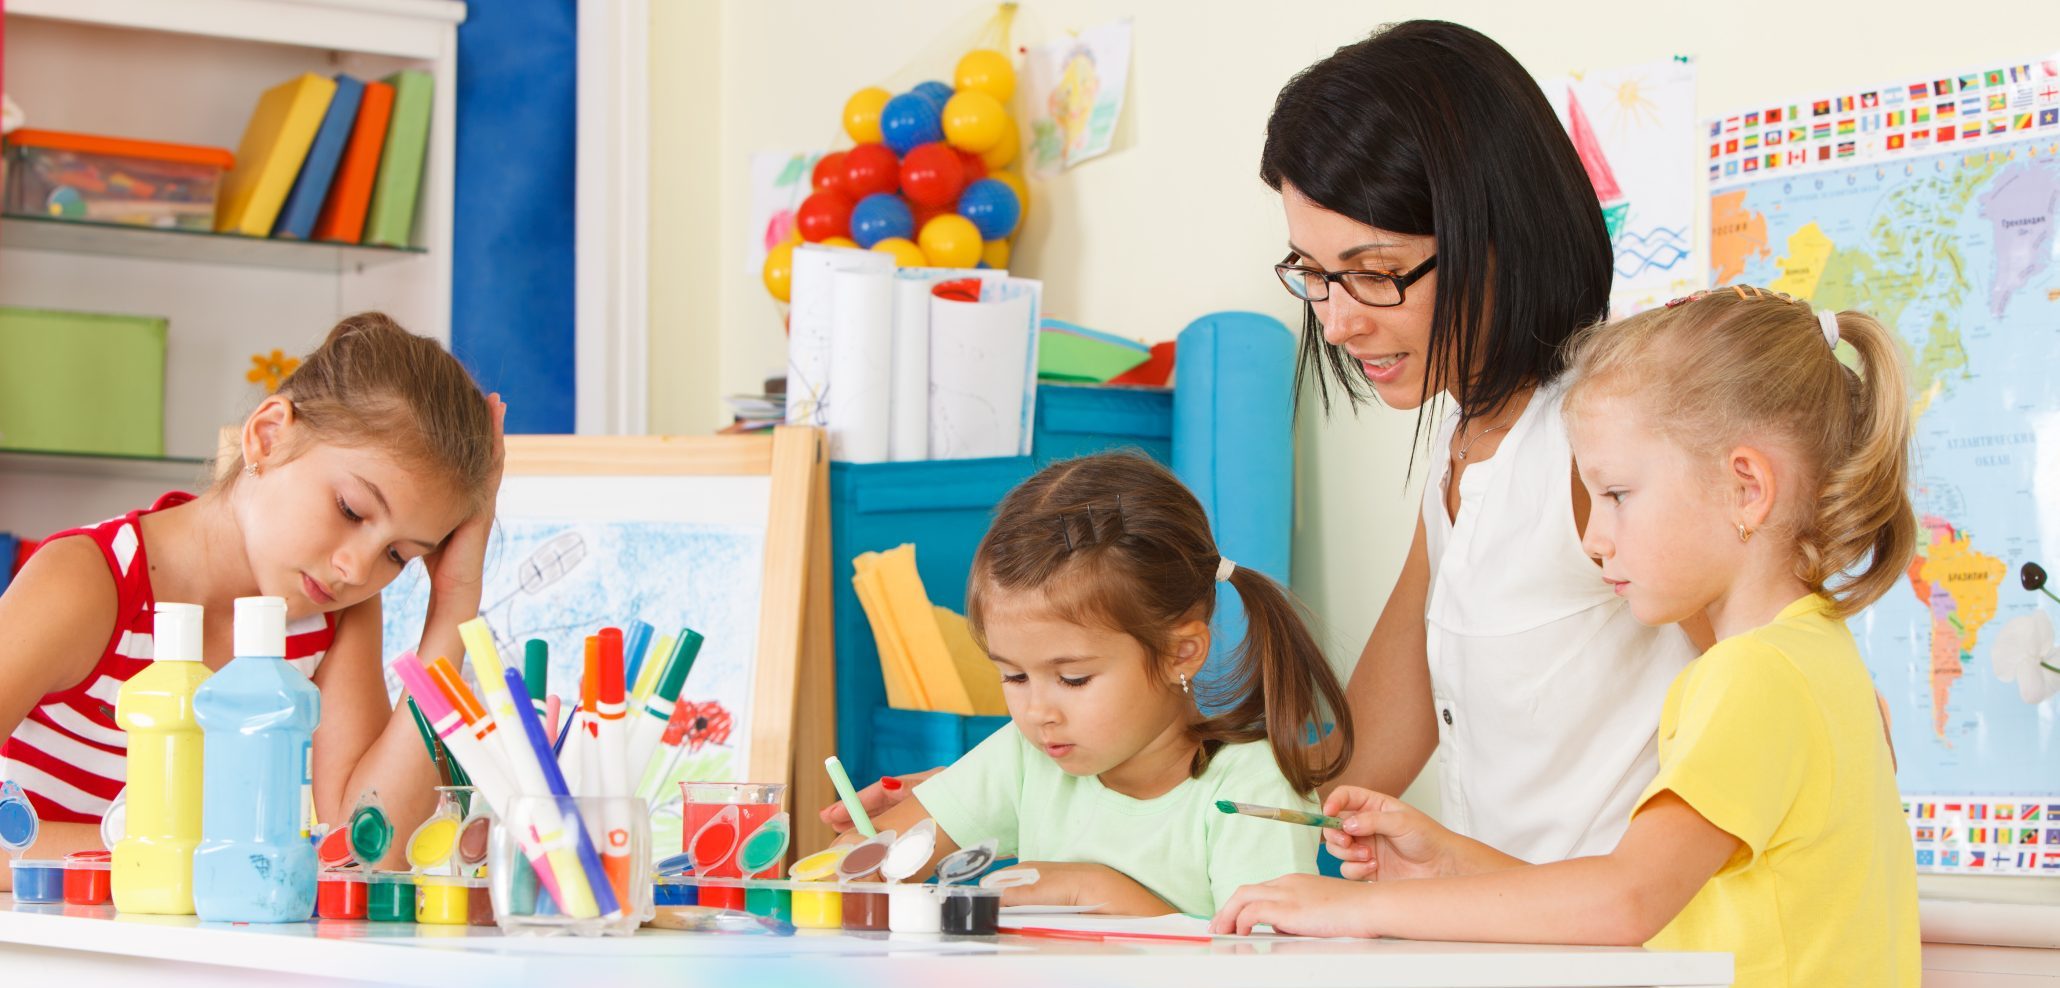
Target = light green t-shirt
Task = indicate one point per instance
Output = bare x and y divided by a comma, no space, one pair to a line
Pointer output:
1177,845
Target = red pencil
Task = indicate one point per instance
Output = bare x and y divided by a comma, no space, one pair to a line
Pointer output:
1097,935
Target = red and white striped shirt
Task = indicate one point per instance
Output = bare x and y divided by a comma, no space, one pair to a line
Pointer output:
68,753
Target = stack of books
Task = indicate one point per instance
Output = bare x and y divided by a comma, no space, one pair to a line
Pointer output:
331,159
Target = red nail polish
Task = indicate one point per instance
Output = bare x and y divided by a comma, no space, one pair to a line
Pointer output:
890,783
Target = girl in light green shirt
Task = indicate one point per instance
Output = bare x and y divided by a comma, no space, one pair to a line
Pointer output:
1092,594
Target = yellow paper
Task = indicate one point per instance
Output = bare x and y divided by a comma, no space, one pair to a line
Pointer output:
982,680
894,666
910,604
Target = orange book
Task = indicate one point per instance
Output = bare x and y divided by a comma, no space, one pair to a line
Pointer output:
343,213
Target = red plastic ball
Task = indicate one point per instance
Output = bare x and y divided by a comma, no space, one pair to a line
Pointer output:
829,173
976,169
823,215
932,174
924,214
870,168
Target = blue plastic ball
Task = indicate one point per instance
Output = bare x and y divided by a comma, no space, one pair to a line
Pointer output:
879,216
938,92
992,207
911,119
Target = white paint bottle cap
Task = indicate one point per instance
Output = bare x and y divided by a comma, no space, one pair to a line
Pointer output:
175,632
261,627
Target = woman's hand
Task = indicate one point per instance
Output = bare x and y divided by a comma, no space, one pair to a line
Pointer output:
1305,905
1386,839
1084,883
457,567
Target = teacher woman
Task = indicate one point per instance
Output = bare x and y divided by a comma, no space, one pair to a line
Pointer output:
1446,243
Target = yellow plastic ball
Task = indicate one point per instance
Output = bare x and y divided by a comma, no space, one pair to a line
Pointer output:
779,272
862,114
1003,152
996,254
840,242
973,121
985,70
950,241
904,251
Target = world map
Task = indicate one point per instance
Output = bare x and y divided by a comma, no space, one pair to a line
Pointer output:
1956,253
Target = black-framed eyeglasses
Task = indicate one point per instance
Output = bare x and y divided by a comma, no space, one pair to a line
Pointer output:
1366,287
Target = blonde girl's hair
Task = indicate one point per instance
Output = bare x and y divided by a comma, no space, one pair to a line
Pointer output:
1712,370
1115,540
373,384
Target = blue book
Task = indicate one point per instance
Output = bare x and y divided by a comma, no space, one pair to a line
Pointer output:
304,202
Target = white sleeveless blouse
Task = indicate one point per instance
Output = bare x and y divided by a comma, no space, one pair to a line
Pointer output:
1547,690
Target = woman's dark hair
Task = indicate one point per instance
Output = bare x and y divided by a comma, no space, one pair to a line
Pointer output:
1115,540
1427,127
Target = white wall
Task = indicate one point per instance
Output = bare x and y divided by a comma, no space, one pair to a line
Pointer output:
1178,224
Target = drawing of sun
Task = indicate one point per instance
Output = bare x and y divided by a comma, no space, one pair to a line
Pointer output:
1633,110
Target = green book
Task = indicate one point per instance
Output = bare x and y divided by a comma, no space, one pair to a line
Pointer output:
390,221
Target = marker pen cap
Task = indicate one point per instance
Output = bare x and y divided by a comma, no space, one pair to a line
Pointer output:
175,632
261,626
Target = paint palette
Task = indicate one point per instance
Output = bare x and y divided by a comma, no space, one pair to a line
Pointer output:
368,833
762,851
966,864
865,857
911,853
716,842
433,845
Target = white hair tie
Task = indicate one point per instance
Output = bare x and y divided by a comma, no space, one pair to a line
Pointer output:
1829,321
1224,567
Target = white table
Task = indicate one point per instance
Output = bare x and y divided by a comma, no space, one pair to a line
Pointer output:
88,945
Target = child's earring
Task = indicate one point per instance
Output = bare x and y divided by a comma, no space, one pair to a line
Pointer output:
1185,689
1744,533
250,470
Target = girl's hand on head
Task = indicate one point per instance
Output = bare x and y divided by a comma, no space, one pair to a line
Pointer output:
1305,905
1386,839
457,567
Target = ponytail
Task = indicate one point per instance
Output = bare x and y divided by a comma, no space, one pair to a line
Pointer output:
1863,510
1114,539
1740,363
1280,688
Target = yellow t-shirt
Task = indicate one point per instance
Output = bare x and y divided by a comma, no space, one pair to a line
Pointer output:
1774,737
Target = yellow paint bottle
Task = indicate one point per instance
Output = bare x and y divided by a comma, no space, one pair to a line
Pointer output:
153,862
817,903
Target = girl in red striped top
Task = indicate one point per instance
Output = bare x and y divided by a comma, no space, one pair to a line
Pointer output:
378,450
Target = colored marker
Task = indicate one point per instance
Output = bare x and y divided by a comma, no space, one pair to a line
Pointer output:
488,775
1301,817
601,894
859,819
573,755
536,671
551,704
531,768
636,641
654,716
671,747
612,786
646,677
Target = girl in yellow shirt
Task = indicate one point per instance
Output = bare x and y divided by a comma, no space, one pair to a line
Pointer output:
1739,472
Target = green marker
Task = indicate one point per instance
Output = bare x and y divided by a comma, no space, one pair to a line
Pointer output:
859,819
536,671
1301,817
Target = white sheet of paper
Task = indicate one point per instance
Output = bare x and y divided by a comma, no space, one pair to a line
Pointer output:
983,367
1171,924
1028,911
809,322
861,365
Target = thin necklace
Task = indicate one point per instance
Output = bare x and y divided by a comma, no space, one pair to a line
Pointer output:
1477,438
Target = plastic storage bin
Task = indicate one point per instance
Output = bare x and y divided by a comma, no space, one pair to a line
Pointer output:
81,382
944,507
113,180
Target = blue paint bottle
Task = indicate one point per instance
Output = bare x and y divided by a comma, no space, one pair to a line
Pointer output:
258,715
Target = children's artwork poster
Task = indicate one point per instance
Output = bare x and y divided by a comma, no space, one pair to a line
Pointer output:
779,181
566,560
1635,129
1929,203
1074,90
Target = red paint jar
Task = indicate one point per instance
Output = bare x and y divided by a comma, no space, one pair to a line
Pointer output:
86,876
479,906
341,895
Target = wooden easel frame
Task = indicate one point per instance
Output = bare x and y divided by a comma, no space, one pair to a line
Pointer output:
793,620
